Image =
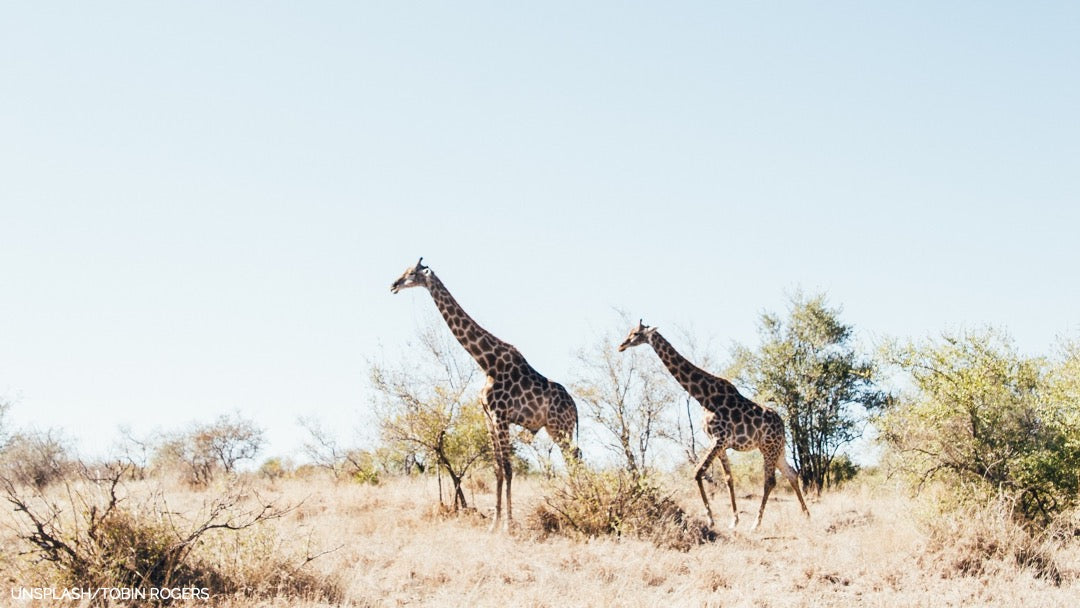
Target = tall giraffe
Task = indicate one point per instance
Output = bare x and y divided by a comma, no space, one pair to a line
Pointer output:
515,393
733,421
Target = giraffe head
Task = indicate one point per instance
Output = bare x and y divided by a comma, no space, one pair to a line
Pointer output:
637,336
414,276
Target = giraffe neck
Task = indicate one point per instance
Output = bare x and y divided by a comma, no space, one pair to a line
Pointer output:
479,342
685,373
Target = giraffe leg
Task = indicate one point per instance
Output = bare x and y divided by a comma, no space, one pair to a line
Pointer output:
563,438
497,450
508,472
500,437
731,488
772,458
770,482
699,475
793,478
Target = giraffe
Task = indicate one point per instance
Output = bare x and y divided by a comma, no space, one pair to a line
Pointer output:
515,393
732,420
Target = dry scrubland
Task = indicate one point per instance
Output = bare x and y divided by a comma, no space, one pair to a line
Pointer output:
390,545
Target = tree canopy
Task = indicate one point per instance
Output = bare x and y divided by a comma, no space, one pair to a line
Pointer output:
807,367
990,420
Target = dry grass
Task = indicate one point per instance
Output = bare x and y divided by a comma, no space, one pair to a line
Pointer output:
867,544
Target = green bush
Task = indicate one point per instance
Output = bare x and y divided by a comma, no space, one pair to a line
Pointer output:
276,468
363,466
990,422
842,470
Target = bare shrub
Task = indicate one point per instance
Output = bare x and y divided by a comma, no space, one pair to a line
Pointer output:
4,431
342,463
36,458
975,540
135,451
628,397
100,535
588,504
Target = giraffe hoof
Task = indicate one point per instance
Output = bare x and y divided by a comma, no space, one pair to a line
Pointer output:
733,524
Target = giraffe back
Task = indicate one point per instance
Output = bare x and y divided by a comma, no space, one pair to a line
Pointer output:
737,421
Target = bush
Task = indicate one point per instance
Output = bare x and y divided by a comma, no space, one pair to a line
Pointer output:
276,468
363,467
842,470
98,537
975,539
206,450
589,504
35,459
989,421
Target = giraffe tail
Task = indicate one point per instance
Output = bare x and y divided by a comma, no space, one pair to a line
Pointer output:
577,435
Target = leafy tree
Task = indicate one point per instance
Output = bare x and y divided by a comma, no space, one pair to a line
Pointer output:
995,421
808,367
431,408
276,468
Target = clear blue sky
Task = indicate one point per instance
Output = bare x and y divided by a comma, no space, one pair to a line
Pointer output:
203,204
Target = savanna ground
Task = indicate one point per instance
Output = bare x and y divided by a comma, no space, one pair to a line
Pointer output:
390,544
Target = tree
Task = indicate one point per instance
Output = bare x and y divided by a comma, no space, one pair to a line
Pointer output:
135,451
990,420
206,449
431,407
807,366
4,432
629,397
342,462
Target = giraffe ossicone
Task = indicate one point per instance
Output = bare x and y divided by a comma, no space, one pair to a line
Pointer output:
515,393
732,420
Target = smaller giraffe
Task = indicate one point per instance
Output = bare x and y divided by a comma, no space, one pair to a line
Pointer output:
732,420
